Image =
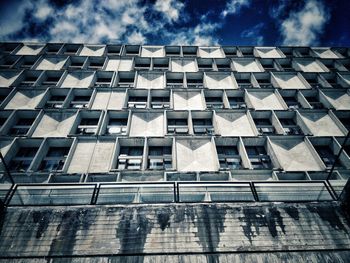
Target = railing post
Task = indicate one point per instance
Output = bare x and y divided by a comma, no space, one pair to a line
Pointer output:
255,194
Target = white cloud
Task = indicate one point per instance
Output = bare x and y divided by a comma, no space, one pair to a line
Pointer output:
234,6
42,10
129,21
203,34
171,9
136,38
304,26
254,34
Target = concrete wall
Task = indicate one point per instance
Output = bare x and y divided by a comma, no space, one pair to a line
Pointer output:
55,124
147,124
181,228
51,63
25,99
111,100
219,81
196,155
295,155
235,124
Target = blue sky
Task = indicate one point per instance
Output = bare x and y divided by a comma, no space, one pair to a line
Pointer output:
196,22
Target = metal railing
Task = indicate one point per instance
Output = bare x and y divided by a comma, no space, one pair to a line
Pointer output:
168,192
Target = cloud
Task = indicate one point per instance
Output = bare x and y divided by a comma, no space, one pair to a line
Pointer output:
171,9
234,6
129,21
136,38
203,34
42,10
254,34
303,27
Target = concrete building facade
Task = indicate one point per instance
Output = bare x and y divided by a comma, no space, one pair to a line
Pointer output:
228,150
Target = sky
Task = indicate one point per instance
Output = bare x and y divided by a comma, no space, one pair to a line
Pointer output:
178,22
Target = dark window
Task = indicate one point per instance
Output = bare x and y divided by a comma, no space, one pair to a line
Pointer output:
130,158
160,102
264,126
214,102
22,126
54,159
55,101
117,126
88,126
290,127
80,102
237,103
327,156
159,158
229,157
177,126
139,102
23,159
203,126
258,157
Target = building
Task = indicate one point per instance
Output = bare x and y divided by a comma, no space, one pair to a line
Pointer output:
182,153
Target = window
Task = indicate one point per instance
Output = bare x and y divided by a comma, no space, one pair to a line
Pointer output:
264,126
174,82
117,126
195,83
244,83
327,156
130,158
54,159
76,64
126,82
314,102
79,102
139,102
55,102
265,83
22,126
345,122
177,126
237,103
88,126
159,65
258,157
23,159
142,64
160,102
28,81
229,157
103,81
2,121
214,102
96,65
159,158
203,127
291,102
51,80
290,127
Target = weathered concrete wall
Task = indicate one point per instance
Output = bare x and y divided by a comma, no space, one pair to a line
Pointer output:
181,228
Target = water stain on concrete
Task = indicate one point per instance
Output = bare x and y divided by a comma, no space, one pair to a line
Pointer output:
132,230
71,222
255,218
210,224
163,217
42,219
292,211
331,217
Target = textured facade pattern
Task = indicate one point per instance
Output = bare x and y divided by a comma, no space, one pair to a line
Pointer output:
135,152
